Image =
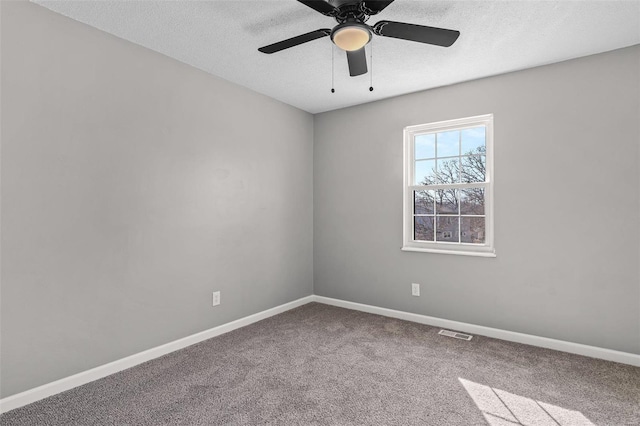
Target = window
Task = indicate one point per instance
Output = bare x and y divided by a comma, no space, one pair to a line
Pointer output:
448,187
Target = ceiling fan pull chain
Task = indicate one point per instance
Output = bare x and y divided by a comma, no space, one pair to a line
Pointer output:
333,90
371,61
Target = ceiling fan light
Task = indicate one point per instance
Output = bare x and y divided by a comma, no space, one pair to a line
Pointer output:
351,37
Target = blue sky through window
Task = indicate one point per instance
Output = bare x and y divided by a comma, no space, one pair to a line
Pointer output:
425,146
472,139
450,144
455,143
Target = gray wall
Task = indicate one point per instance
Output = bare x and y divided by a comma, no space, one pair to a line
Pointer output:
132,187
566,204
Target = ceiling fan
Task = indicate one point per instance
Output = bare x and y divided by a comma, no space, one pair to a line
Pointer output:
352,34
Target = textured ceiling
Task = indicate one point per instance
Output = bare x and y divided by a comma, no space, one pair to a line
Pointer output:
222,38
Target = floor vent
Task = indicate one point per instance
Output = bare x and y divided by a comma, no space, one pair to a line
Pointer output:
455,335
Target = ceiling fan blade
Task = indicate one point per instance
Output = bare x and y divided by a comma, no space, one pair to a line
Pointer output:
320,6
419,33
374,7
294,41
357,62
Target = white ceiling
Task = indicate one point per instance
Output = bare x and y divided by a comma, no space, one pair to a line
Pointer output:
222,38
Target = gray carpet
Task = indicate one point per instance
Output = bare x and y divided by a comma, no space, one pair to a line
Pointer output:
318,365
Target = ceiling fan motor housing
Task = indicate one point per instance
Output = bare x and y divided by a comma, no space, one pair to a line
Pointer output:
351,12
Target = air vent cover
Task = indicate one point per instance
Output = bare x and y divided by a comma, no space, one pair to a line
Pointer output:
456,335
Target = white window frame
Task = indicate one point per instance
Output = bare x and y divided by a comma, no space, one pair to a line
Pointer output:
409,244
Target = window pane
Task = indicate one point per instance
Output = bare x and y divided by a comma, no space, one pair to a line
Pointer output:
425,146
473,168
446,201
423,202
448,144
472,230
473,141
423,228
425,172
447,228
449,170
472,201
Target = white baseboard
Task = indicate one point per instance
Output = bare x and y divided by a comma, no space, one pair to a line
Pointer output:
44,391
511,336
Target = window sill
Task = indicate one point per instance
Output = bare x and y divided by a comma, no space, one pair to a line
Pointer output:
457,252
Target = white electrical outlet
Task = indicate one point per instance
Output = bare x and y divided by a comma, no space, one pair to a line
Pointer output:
216,298
415,289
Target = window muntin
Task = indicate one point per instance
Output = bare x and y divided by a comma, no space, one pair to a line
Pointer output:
448,187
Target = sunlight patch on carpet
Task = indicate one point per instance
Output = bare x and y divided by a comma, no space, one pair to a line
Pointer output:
502,408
